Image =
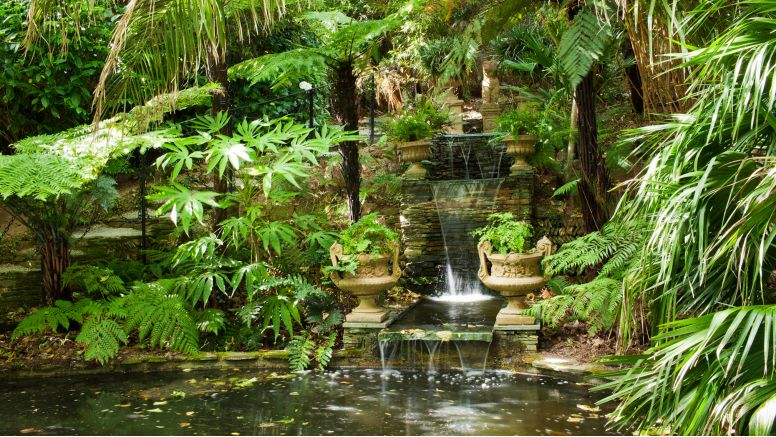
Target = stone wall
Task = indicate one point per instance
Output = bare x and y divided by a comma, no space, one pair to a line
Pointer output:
458,157
117,237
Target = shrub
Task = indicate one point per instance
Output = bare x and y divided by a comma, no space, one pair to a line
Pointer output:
504,233
368,236
520,122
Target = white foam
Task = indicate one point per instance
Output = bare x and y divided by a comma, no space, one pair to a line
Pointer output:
462,298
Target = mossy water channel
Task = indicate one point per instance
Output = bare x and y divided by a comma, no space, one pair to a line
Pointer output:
350,402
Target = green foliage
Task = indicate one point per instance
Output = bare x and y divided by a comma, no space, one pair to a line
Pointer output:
596,303
52,318
209,320
300,351
520,122
94,281
567,189
162,318
611,249
408,127
711,375
368,236
506,235
417,121
47,89
103,338
582,44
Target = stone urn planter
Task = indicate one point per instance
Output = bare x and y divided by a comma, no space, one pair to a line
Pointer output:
415,152
373,276
520,147
514,276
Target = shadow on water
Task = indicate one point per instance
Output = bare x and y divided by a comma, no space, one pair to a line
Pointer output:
355,402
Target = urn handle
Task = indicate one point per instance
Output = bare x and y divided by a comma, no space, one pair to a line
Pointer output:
396,272
483,249
336,253
544,246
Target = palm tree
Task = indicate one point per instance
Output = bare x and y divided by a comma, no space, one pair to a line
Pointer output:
160,46
707,199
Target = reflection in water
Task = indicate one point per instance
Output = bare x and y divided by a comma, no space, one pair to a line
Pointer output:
432,312
341,402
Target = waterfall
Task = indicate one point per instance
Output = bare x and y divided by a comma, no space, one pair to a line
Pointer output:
462,206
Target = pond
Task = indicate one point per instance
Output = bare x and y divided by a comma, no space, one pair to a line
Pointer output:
350,402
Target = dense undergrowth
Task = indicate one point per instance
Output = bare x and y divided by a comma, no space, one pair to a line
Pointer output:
249,123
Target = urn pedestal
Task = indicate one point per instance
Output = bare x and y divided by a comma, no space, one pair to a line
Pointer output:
373,276
520,147
415,152
514,276
455,105
490,112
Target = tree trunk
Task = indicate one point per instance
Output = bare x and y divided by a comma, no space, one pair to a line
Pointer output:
345,111
217,72
663,81
594,182
633,77
55,259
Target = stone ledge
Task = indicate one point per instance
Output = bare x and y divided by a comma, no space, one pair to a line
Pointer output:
507,328
395,314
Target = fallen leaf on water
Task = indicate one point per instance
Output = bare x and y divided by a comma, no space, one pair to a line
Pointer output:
160,403
293,393
184,424
127,405
267,425
29,430
574,420
588,408
234,433
286,421
155,410
189,413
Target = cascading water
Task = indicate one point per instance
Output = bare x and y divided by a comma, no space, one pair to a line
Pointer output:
461,207
455,328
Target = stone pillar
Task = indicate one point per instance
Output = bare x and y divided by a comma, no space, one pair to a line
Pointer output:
489,111
455,106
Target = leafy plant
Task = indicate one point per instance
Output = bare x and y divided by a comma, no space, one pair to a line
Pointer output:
93,280
596,303
418,120
610,250
368,236
710,375
103,338
519,122
505,234
52,318
408,127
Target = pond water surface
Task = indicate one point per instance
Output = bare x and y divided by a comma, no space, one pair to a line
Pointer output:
242,402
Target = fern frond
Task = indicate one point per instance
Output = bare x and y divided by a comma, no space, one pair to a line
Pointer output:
616,243
102,337
323,352
52,318
300,350
582,44
209,320
93,280
162,318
